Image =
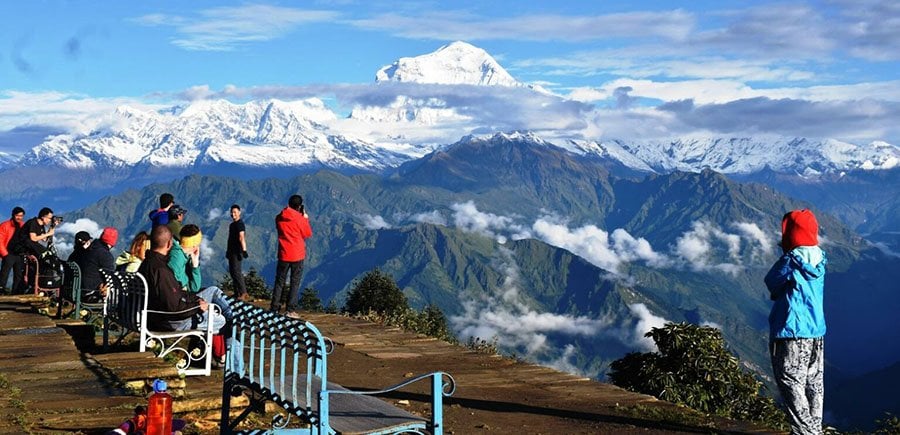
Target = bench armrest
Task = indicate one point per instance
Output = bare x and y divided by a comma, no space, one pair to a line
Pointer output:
448,385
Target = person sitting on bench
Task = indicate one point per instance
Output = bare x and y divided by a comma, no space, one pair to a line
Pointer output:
183,310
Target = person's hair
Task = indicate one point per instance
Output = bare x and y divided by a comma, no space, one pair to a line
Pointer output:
165,200
160,236
295,202
17,210
44,212
235,206
137,248
189,230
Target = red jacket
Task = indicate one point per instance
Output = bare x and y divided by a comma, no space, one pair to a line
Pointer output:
7,229
293,228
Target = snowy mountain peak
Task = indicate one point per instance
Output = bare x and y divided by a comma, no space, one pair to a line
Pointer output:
458,63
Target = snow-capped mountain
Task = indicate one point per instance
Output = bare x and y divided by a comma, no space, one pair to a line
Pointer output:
458,63
745,155
268,133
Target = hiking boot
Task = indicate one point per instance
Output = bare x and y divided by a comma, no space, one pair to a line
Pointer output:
293,315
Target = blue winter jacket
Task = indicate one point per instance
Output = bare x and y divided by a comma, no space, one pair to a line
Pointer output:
796,283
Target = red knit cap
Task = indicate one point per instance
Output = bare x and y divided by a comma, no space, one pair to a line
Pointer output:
109,236
799,228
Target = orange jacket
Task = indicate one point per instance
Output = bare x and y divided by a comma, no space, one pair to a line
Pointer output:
7,229
293,228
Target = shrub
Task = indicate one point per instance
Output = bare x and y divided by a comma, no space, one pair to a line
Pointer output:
309,300
694,368
378,292
256,285
430,321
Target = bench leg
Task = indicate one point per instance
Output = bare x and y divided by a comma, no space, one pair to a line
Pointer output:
437,403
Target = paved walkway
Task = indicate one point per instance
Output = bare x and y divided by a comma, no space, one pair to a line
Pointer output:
48,386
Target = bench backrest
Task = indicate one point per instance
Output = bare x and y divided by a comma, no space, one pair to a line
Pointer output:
126,298
283,358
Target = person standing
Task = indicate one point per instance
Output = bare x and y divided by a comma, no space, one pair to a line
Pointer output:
236,252
796,283
293,229
11,262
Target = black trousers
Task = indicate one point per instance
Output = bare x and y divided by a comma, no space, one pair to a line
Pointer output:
15,264
237,274
281,273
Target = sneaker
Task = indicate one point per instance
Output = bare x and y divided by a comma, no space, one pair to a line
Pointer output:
293,315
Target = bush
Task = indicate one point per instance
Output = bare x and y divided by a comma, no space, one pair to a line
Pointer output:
694,368
309,300
256,285
430,321
377,292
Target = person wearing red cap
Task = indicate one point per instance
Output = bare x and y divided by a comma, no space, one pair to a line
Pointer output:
796,283
94,257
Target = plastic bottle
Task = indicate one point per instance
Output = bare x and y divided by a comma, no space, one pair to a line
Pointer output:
159,411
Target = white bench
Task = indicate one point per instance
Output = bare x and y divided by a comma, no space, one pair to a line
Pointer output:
126,306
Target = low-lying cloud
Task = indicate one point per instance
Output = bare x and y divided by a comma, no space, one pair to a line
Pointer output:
214,213
374,222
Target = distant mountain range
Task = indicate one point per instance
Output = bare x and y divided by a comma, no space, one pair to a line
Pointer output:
279,138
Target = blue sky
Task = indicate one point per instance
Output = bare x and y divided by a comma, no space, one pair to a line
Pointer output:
834,63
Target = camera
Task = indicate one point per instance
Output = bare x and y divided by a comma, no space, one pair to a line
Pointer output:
56,221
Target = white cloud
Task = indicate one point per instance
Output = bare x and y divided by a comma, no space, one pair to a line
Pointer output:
706,247
645,322
214,213
434,217
708,91
505,315
71,112
467,217
374,222
206,250
82,224
228,28
751,232
596,246
455,25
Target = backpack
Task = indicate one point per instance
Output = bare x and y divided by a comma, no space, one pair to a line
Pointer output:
50,272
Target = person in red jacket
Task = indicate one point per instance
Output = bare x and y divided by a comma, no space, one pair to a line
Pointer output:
293,229
10,262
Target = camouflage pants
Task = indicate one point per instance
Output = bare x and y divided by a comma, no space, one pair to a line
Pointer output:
799,365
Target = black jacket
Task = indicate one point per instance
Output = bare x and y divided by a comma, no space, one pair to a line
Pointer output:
91,260
166,293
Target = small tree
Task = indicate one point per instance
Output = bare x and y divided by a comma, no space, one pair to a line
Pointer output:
377,292
332,307
694,368
256,285
434,323
309,300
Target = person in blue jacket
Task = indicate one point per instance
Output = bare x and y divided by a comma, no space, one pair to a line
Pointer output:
796,283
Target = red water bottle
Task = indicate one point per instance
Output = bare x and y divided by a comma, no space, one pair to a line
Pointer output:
159,411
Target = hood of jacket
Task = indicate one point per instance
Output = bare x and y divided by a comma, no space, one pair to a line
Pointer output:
811,260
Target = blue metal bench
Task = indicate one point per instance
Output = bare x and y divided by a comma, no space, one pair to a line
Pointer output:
285,362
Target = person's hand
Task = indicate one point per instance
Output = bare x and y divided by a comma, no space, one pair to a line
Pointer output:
204,305
195,258
245,254
50,232
103,289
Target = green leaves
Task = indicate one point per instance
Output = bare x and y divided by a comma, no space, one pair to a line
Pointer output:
694,368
